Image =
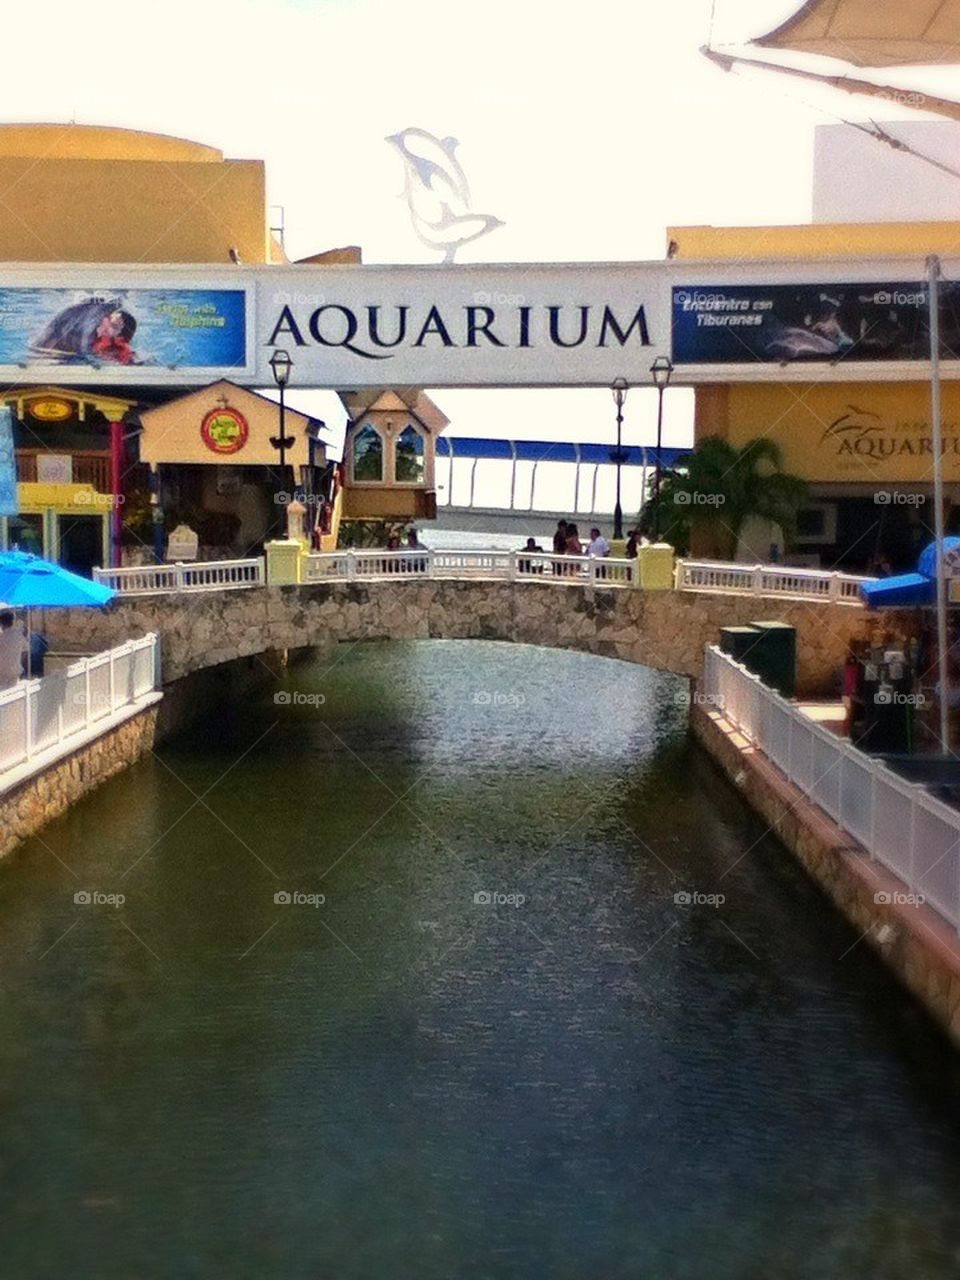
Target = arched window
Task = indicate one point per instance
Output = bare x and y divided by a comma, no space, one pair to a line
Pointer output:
409,465
368,454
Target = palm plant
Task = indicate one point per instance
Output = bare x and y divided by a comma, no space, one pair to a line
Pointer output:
705,504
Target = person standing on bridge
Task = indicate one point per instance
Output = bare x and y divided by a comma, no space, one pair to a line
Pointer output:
560,543
599,546
13,645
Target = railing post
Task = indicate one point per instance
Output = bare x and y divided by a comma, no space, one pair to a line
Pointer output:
757,580
178,576
28,721
351,565
834,592
113,684
86,690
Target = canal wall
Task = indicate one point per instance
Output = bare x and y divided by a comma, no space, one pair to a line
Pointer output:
912,939
28,806
667,630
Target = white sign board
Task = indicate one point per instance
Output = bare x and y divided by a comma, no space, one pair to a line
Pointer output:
532,325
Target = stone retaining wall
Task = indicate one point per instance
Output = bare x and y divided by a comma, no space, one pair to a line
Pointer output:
663,629
49,793
914,941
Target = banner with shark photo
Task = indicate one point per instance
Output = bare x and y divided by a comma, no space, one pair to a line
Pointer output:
123,329
783,323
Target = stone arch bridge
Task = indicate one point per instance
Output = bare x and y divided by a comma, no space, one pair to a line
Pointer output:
666,629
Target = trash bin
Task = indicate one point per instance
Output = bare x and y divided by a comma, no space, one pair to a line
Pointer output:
739,643
774,657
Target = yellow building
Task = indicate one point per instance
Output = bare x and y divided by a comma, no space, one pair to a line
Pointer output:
88,195
864,447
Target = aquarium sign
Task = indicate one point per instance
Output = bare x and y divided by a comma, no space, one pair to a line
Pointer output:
123,331
802,323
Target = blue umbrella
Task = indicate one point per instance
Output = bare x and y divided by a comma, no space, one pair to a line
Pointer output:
30,582
907,589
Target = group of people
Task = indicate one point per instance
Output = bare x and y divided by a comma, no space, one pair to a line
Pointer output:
413,543
18,656
566,542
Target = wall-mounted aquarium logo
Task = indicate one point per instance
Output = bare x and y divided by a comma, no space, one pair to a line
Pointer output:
114,329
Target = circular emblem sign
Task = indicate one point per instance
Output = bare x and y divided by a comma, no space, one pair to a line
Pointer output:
224,430
50,410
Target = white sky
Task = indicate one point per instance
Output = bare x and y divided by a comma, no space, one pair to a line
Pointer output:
587,128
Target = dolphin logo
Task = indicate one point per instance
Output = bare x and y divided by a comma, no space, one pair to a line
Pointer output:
437,193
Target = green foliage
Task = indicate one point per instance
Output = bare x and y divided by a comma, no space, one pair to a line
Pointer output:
720,487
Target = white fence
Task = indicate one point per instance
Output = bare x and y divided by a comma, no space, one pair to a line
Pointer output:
202,575
36,715
769,580
899,823
513,566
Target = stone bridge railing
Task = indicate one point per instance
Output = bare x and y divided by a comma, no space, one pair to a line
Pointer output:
666,629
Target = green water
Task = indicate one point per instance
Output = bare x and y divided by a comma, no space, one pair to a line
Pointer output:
592,1083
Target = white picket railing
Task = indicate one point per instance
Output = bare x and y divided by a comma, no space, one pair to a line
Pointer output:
36,715
201,575
903,826
769,580
514,566
511,566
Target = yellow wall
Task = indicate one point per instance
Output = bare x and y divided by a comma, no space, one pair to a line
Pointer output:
75,194
865,433
868,433
825,239
171,432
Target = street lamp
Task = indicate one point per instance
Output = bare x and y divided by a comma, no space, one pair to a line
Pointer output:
619,390
281,364
660,370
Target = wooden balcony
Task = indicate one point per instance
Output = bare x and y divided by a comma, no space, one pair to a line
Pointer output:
89,467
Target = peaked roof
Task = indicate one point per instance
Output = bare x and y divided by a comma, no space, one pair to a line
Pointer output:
412,400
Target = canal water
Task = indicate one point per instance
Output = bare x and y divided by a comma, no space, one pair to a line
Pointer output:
453,960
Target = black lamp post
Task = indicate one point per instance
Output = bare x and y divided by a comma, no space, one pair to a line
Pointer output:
619,390
661,369
281,364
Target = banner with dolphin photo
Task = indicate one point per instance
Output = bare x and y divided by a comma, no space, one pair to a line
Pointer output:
781,323
130,330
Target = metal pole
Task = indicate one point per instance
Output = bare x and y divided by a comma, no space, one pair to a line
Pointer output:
933,274
281,520
656,474
618,510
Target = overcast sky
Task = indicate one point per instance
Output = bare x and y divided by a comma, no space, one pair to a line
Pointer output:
588,129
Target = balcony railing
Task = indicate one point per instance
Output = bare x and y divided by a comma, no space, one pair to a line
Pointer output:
89,467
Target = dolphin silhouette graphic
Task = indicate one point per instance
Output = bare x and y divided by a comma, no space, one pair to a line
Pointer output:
437,193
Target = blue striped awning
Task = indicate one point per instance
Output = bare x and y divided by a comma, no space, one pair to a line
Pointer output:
554,451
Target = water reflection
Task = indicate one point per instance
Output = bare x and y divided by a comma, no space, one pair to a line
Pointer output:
582,1078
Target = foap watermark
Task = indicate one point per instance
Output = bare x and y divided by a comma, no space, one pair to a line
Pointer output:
697,498
893,898
297,698
297,898
90,498
893,698
493,898
484,298
494,698
898,498
284,298
95,898
305,499
697,698
694,898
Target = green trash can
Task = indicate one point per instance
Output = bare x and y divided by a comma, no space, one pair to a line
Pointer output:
774,657
739,643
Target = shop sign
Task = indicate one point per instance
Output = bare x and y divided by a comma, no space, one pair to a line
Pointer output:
224,430
50,410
